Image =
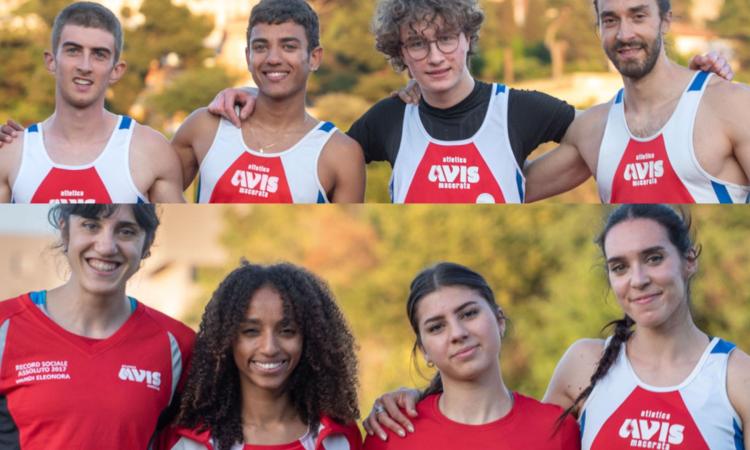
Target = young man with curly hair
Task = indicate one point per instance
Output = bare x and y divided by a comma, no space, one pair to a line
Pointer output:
273,367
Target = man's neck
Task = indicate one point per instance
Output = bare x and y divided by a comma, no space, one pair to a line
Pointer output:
280,114
452,97
76,124
659,86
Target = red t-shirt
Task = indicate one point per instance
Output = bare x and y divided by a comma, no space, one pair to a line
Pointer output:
331,435
529,425
59,390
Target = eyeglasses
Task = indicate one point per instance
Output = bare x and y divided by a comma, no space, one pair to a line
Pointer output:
418,49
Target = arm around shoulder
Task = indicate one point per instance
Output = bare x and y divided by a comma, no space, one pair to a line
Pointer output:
192,141
735,106
343,158
573,373
10,161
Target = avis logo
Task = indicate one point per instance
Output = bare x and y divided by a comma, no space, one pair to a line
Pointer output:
654,431
452,173
132,373
253,180
65,201
644,170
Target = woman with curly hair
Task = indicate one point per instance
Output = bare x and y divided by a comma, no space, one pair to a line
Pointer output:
273,367
459,328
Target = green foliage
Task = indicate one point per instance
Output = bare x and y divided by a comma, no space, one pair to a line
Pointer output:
540,259
733,23
341,109
190,90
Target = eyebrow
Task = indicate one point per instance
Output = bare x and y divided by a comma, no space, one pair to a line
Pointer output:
438,317
632,10
646,251
77,45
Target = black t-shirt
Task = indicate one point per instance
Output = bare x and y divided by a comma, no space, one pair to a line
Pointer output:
533,118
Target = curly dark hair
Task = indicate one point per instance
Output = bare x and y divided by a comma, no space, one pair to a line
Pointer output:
463,15
323,383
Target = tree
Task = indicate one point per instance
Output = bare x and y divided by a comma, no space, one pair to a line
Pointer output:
733,23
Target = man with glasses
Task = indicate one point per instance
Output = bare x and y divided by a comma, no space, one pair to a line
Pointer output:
466,141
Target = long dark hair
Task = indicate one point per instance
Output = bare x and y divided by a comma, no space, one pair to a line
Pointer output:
431,279
678,228
324,381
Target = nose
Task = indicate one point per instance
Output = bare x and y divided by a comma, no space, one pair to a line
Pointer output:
457,330
84,62
106,244
434,55
269,345
625,31
639,276
274,55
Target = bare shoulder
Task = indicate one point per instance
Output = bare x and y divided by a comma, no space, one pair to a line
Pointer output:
342,143
727,98
10,157
201,119
574,371
738,383
146,138
593,118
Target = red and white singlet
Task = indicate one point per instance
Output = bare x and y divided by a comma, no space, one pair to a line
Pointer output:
481,169
233,173
105,180
623,412
662,168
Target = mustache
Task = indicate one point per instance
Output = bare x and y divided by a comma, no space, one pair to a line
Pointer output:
619,45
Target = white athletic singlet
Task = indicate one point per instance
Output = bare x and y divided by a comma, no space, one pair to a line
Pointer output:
105,180
481,169
662,168
623,412
233,173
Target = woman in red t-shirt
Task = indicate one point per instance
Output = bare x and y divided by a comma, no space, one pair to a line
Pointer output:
459,329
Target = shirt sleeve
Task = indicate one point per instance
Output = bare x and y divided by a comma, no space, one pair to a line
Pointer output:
535,118
570,435
378,131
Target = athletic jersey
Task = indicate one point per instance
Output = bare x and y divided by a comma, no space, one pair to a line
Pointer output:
623,412
59,390
661,168
105,180
233,173
531,118
529,425
330,435
481,169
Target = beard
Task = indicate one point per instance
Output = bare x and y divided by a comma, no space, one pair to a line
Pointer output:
635,68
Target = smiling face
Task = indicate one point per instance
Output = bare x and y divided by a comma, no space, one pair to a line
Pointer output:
269,345
105,252
279,60
632,34
460,333
647,273
84,65
439,74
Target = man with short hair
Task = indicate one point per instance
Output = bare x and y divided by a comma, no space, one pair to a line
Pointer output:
283,155
671,135
83,153
467,141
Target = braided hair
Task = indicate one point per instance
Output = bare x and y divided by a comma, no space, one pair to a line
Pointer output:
433,278
677,226
324,381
